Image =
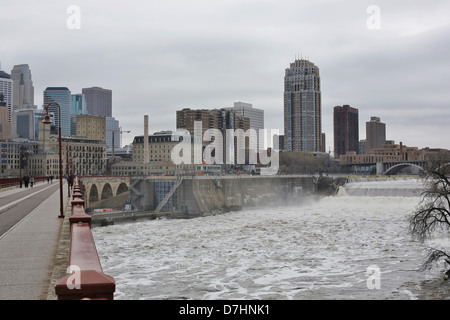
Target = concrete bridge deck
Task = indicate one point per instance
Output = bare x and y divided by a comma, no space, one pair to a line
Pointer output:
32,252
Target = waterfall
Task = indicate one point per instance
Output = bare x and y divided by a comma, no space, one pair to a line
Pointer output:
388,188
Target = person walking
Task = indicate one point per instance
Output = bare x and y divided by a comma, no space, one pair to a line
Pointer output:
31,181
70,181
26,180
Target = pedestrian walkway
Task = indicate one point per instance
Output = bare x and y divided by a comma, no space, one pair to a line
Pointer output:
29,249
12,190
24,194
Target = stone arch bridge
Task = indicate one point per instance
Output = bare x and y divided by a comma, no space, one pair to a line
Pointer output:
97,188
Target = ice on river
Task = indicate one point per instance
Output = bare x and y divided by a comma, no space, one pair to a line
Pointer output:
314,250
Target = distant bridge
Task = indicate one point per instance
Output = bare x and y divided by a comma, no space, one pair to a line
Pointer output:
391,168
383,168
104,187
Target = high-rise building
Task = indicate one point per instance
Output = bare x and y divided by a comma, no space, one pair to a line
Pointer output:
78,104
303,108
187,117
346,130
25,123
6,88
62,96
113,135
77,107
220,119
23,97
99,101
256,117
375,134
5,125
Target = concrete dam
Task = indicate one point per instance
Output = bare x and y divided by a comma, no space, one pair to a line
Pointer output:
205,195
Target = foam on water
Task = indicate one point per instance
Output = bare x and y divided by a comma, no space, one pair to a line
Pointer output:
319,250
392,188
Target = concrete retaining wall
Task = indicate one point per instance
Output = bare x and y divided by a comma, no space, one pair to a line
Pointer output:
210,195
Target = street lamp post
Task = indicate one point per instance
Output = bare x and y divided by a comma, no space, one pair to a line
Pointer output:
47,120
68,170
21,160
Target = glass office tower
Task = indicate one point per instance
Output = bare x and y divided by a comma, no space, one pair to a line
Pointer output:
62,96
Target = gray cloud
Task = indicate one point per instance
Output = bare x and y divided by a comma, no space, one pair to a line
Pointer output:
160,56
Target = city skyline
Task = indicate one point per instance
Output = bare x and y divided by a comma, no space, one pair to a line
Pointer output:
159,57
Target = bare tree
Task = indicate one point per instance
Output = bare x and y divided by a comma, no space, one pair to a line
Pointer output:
432,216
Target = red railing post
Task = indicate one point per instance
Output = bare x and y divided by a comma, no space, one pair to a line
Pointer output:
85,279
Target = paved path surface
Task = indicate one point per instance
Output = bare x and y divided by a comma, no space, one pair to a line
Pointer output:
30,233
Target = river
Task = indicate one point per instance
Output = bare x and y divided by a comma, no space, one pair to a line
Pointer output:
351,246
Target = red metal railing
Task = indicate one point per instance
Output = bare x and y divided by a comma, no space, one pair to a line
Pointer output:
85,279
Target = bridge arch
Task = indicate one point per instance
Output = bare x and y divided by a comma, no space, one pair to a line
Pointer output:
93,193
395,169
123,187
105,187
107,191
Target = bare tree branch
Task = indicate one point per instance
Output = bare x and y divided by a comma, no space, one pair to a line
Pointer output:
433,257
433,211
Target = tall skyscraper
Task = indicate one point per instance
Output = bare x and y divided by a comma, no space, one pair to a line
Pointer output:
99,101
346,130
303,108
112,128
62,96
375,134
78,104
23,97
6,87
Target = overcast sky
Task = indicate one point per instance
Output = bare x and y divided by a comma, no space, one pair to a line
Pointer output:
161,56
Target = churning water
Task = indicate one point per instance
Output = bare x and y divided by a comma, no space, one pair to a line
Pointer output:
325,249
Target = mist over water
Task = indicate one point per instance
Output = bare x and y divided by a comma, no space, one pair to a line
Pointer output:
312,250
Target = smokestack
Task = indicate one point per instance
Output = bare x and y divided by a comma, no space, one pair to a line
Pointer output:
401,151
146,149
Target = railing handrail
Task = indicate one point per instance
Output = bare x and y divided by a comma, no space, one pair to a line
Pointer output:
85,279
